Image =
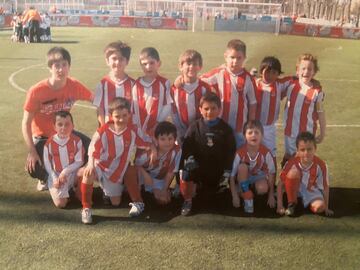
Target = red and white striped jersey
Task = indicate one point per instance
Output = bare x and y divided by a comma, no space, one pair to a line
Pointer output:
186,102
300,110
63,155
107,90
263,161
268,97
314,176
236,91
168,162
151,103
113,151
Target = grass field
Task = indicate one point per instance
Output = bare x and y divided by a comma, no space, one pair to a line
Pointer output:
35,235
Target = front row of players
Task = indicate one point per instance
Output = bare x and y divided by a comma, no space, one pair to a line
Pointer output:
206,162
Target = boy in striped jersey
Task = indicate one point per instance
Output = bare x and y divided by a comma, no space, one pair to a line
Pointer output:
151,95
253,167
306,174
235,87
157,174
186,97
117,83
110,153
63,156
304,106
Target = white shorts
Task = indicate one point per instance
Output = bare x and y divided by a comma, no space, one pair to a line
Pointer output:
269,139
290,145
110,188
157,183
63,191
310,196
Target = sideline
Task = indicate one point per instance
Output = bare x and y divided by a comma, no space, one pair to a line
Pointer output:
19,88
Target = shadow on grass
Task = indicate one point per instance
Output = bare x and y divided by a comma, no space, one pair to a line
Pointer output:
37,207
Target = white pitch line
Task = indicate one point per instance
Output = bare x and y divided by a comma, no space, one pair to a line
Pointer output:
16,86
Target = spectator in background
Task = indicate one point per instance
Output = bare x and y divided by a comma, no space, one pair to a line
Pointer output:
32,16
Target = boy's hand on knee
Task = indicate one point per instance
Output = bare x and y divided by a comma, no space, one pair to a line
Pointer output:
280,210
236,201
271,201
31,160
56,183
329,212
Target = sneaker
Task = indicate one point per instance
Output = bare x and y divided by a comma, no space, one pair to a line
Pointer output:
186,208
249,206
290,211
136,209
41,186
86,216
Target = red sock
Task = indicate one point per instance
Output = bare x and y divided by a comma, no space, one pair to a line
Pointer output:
292,189
132,185
187,189
86,195
248,195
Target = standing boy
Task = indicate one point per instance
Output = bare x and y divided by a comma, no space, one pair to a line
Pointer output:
63,156
208,152
158,174
151,95
117,83
186,97
58,92
306,174
110,153
235,87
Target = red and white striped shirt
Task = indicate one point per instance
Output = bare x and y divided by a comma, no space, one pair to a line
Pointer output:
112,151
107,90
236,91
63,155
268,97
186,102
315,176
300,110
168,162
263,161
151,103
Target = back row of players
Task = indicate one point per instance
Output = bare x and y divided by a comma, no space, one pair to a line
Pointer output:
223,131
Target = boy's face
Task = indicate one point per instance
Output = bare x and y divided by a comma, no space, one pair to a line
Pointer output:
165,142
60,69
117,63
190,69
305,71
150,66
269,75
120,117
63,126
234,60
253,136
209,111
306,151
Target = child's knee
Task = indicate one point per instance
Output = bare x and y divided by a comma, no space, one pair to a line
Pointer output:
115,201
262,187
317,207
60,203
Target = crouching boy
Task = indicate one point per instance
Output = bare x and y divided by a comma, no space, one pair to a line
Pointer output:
110,152
208,153
158,174
305,174
63,156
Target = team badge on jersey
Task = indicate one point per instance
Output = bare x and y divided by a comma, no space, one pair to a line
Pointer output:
210,139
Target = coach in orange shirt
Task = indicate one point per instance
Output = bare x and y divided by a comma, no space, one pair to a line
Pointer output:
32,17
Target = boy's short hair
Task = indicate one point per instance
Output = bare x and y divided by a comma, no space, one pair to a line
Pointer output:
119,47
190,56
308,57
56,54
166,128
270,63
119,103
237,45
63,114
253,124
210,97
150,52
305,137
